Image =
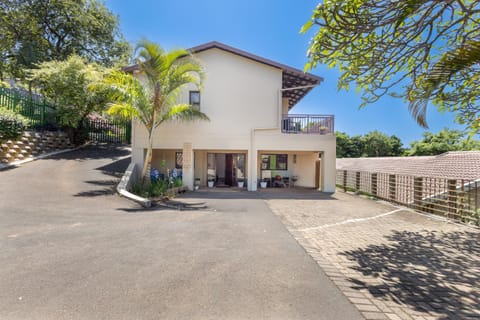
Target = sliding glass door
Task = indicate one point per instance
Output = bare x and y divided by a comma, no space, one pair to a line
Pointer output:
226,168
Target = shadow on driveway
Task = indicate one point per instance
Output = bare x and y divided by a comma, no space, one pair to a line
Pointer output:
440,268
115,170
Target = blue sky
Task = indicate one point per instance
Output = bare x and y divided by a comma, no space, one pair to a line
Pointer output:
270,29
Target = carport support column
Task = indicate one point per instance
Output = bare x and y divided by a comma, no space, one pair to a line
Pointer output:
329,176
252,169
187,167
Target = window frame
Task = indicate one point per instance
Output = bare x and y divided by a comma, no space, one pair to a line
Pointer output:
267,165
178,161
190,100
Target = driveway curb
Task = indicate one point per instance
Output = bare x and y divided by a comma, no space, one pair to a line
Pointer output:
125,182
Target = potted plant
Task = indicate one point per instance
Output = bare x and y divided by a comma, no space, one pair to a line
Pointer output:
240,182
323,130
263,183
210,182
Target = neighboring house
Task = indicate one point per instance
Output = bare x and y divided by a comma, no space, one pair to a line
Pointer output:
463,165
433,177
251,134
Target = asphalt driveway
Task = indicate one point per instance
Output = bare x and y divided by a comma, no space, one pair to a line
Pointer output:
72,249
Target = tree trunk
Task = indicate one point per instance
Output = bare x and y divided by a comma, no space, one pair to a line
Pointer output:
148,156
77,135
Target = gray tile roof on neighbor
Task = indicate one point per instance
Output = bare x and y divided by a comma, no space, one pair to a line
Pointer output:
452,165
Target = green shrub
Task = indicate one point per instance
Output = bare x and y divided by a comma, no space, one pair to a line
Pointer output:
154,189
177,182
158,188
12,125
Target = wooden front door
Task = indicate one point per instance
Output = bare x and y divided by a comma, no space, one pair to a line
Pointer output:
318,170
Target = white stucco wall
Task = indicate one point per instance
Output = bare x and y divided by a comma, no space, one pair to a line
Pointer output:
243,101
238,95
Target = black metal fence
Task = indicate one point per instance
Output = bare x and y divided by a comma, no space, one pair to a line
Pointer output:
110,131
308,124
31,106
457,199
41,115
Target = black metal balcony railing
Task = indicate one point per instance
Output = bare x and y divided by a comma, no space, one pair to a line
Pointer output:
308,124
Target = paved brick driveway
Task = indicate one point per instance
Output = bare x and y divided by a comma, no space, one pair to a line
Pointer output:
392,263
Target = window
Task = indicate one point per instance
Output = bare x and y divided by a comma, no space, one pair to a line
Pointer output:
194,98
274,162
178,160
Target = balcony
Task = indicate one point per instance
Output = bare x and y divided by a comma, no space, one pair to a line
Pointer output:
308,124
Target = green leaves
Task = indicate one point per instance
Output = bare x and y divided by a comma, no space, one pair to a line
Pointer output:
70,86
34,31
151,97
372,144
306,26
441,142
425,50
12,125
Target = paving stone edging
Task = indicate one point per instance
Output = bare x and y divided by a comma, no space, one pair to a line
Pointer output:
335,275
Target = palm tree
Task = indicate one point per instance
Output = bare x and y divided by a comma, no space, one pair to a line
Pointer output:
445,73
152,97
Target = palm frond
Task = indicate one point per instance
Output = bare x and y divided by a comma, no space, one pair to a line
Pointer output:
182,112
124,110
438,78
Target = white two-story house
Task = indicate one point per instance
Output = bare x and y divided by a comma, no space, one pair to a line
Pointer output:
251,134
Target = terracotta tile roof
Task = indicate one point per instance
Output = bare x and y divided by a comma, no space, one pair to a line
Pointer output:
450,165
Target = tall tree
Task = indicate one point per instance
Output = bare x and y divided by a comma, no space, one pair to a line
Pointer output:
443,141
152,96
378,144
348,147
71,85
33,31
372,144
427,49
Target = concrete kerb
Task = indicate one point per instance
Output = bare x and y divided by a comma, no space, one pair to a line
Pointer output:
40,156
125,182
